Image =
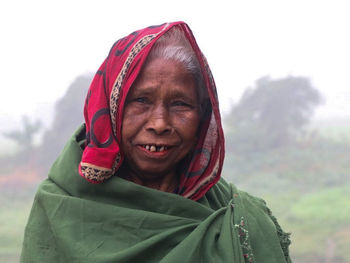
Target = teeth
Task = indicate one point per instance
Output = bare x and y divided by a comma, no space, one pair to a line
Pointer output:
152,148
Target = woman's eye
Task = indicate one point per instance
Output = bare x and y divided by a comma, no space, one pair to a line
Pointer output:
181,104
141,100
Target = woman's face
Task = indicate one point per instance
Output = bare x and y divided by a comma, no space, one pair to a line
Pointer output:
161,119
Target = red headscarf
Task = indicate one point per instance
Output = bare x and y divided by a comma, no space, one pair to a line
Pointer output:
103,111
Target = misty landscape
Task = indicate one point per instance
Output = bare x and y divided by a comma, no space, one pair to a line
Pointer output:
274,150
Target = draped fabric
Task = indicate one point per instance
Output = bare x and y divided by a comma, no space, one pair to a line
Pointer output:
73,220
103,113
85,212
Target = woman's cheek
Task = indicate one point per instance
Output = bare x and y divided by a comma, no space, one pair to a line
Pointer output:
188,122
133,114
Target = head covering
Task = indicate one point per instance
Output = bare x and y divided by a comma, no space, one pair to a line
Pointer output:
103,112
73,220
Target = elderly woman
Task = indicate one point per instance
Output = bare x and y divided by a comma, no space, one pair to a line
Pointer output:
140,181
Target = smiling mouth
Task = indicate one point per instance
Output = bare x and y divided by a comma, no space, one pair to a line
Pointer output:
154,148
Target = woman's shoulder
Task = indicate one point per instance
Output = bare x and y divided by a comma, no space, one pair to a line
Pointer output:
254,211
223,192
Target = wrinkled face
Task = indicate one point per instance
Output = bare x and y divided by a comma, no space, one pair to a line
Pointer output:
161,119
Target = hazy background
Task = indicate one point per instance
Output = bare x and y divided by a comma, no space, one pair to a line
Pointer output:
282,74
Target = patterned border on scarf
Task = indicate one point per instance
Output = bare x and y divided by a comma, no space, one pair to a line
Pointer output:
95,173
103,114
243,235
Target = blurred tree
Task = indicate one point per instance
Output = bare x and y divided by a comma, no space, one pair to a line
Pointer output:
24,137
272,113
68,116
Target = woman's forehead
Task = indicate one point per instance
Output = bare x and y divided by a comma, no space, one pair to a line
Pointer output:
162,68
169,75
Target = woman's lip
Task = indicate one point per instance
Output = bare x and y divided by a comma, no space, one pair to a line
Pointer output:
156,144
155,154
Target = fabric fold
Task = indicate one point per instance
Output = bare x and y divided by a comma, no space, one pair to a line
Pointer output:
104,105
119,221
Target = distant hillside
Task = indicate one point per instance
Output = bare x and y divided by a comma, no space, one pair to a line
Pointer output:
7,147
335,128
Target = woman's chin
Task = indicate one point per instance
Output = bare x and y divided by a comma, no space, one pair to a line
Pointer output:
155,174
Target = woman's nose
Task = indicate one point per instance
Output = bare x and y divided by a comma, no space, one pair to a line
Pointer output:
158,121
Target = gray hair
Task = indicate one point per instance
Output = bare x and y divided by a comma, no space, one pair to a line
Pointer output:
174,45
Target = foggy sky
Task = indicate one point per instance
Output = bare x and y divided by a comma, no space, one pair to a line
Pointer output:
46,44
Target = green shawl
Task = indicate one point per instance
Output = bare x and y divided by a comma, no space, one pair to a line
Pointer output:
73,220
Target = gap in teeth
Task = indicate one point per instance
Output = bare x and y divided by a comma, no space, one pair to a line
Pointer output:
153,148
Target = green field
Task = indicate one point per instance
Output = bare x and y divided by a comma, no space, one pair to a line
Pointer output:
306,185
13,217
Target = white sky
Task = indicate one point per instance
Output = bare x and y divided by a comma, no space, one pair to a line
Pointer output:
46,44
